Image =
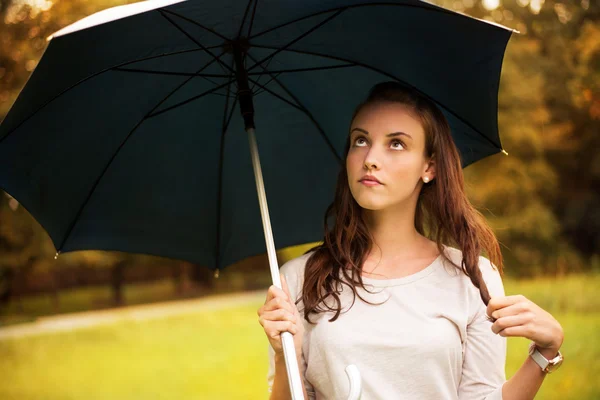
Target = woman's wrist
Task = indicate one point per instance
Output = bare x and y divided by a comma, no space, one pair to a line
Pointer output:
549,352
552,351
279,358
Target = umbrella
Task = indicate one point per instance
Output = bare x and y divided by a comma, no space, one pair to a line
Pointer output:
128,136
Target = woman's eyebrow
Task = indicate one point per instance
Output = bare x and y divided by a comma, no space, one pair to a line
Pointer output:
388,135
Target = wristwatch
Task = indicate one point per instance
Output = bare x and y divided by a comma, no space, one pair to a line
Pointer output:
546,365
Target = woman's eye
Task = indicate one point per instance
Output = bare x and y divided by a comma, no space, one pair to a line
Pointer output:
396,144
359,141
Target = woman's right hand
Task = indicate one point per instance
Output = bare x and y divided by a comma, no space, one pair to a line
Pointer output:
279,314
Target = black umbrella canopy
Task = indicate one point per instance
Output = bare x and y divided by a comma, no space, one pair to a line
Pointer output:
128,135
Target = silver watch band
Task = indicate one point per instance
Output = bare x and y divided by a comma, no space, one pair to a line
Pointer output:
539,359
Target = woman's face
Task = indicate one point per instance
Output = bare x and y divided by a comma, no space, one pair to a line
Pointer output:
388,143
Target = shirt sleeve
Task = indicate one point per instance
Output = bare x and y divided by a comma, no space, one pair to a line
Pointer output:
293,275
483,372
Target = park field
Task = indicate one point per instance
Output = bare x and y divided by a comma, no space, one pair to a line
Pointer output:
222,354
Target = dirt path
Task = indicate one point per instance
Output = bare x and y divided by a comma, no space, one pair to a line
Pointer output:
68,322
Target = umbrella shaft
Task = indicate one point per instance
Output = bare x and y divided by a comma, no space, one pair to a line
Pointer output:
244,92
287,340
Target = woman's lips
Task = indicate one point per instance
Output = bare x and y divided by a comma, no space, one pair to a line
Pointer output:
369,182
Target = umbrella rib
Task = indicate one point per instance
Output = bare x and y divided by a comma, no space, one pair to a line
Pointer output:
208,64
249,32
252,19
93,76
282,71
305,110
430,7
255,94
174,53
164,10
221,156
308,32
359,64
192,74
260,74
231,112
276,95
188,100
195,41
93,189
263,85
147,71
244,18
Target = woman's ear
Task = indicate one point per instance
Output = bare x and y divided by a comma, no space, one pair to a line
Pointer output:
430,169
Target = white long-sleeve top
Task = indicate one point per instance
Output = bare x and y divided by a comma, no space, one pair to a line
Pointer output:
430,339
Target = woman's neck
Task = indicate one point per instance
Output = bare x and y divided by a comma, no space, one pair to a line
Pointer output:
395,236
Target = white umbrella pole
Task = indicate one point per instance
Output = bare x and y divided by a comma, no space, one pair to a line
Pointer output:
289,351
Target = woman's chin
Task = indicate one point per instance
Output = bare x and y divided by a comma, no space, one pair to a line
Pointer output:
370,204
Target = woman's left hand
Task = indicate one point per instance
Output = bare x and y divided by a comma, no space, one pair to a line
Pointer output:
519,316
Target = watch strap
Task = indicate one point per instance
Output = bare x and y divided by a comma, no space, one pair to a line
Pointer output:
542,361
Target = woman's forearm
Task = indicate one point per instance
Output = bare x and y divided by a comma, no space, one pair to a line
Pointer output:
281,386
527,381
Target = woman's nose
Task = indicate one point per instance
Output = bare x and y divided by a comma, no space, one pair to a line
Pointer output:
371,161
370,165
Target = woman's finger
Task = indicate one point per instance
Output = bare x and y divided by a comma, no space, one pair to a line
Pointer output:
278,315
510,321
274,328
273,292
515,309
515,331
285,286
278,303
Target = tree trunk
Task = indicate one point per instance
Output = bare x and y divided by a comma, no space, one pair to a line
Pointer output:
54,299
7,279
117,282
203,276
177,274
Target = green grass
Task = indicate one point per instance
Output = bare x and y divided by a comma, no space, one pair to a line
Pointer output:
572,300
223,354
577,378
209,355
572,293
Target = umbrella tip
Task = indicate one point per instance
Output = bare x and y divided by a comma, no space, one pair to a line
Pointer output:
56,256
217,273
504,152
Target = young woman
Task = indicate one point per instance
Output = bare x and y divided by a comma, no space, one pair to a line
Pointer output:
399,286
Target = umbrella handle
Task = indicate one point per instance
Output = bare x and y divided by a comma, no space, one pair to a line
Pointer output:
355,382
291,364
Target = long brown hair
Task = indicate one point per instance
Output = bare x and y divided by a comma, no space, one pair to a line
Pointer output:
444,214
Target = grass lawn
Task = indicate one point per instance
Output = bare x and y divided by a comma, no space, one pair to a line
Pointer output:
223,354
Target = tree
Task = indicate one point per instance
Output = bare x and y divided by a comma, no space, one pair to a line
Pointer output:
543,200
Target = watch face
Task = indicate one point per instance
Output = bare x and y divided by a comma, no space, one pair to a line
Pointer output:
554,366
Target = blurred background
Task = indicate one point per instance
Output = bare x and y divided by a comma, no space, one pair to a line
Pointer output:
101,325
